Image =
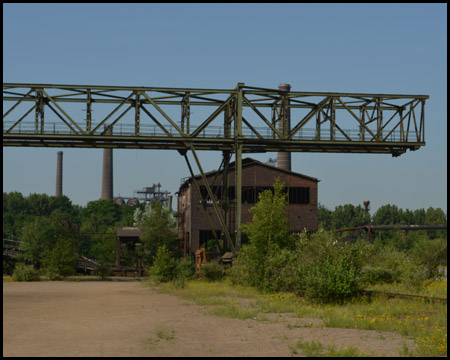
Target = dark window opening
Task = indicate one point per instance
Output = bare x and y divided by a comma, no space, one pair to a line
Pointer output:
299,195
248,195
206,236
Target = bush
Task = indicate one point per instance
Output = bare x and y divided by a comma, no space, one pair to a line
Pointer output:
327,270
211,271
24,272
281,271
375,275
390,260
184,271
241,272
164,267
103,269
430,253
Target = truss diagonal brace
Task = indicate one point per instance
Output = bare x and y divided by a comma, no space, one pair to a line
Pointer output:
200,195
211,195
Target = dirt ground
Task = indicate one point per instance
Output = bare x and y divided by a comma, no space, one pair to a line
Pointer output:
125,318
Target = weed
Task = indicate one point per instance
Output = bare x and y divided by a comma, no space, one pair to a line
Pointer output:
166,334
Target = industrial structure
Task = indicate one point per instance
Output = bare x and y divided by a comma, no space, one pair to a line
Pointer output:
59,174
107,174
234,121
147,194
196,214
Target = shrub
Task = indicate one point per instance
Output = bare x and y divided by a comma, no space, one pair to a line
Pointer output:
280,271
24,272
430,253
103,269
184,271
327,270
211,271
164,267
375,275
240,272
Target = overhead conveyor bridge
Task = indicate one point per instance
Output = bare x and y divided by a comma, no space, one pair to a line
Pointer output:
244,119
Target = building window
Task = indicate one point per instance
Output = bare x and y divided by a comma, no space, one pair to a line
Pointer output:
216,190
248,195
299,195
206,236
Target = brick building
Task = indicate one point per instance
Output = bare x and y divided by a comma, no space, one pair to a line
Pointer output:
193,226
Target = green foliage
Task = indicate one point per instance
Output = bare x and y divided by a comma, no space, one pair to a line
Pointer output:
329,271
103,269
211,271
324,217
164,267
184,272
24,272
268,232
47,244
36,236
157,229
60,260
241,271
101,214
349,216
281,271
430,253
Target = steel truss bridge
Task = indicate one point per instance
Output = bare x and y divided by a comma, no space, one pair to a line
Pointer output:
241,120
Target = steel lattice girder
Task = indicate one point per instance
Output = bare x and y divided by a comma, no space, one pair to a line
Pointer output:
379,123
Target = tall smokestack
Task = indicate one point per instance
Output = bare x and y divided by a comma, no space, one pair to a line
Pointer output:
284,158
107,179
59,173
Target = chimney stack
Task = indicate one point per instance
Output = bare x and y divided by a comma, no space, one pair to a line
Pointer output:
59,171
366,205
107,179
284,158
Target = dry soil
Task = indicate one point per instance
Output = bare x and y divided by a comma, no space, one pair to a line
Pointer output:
125,318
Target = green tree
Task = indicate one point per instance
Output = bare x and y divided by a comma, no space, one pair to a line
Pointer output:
435,217
48,245
164,267
105,213
15,212
60,260
325,217
349,216
158,228
36,237
39,204
268,232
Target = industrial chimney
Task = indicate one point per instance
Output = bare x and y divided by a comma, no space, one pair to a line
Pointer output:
284,158
366,205
59,170
107,178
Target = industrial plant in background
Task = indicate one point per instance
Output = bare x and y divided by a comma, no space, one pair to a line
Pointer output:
147,194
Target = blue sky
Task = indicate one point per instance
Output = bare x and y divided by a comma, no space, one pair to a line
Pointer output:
366,48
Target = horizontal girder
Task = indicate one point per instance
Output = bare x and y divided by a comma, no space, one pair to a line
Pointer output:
210,119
